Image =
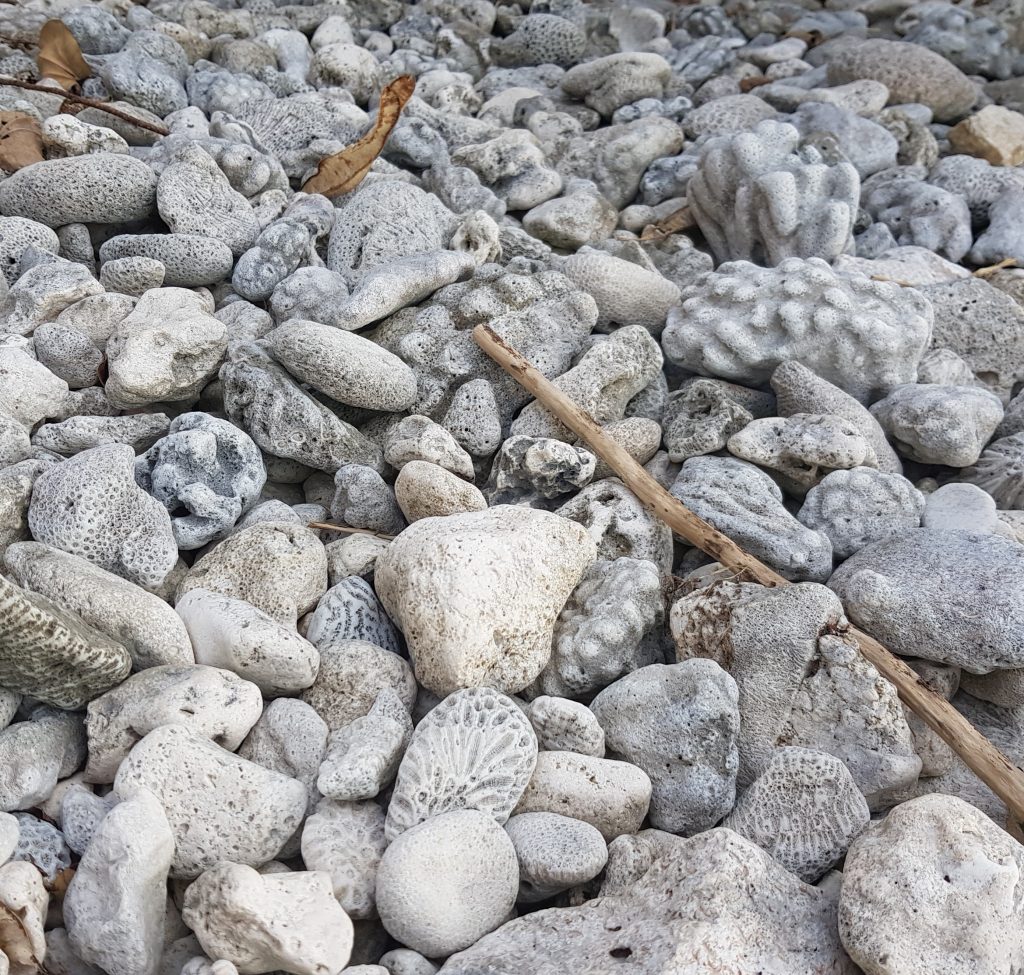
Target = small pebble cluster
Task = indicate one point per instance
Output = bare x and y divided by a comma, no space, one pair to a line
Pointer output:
504,723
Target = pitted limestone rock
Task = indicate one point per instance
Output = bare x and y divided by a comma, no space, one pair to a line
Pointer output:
998,471
608,83
350,610
90,505
532,469
854,508
865,336
562,725
746,504
208,467
461,634
702,415
757,197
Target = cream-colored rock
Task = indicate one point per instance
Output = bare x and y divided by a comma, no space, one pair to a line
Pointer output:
280,568
995,134
425,490
613,796
23,902
220,806
115,906
263,923
477,594
934,888
235,635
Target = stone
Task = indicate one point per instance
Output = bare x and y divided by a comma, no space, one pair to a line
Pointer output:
287,921
757,198
362,758
746,504
42,292
132,275
114,908
51,654
995,134
857,507
701,416
168,348
716,315
426,490
233,634
612,796
189,260
279,568
608,83
804,810
209,468
125,613
434,568
962,506
345,840
350,610
526,469
29,392
363,499
262,399
960,864
35,753
77,433
352,673
565,726
715,899
344,366
939,424
969,615
42,845
997,470
219,806
105,188
475,750
466,855
209,702
679,723
16,235
555,853
580,216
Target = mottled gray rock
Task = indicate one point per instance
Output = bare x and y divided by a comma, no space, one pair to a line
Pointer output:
475,750
970,614
998,471
91,506
527,469
346,841
209,468
756,197
939,424
892,326
29,392
219,806
713,899
148,71
857,507
101,187
554,853
189,260
608,83
42,845
132,275
562,725
16,235
42,292
425,490
77,433
261,398
363,499
703,414
34,754
963,506
128,615
350,610
746,504
679,723
418,437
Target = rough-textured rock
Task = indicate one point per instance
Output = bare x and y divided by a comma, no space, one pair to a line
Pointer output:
998,471
963,872
969,615
562,725
461,633
554,853
219,806
475,750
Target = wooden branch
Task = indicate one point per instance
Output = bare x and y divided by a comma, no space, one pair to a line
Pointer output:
88,102
977,752
327,526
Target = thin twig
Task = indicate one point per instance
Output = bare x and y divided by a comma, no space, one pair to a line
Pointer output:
327,526
978,753
89,102
987,272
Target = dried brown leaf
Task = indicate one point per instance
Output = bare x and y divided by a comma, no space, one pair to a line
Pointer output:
749,84
677,220
16,940
812,38
59,886
60,57
345,170
21,141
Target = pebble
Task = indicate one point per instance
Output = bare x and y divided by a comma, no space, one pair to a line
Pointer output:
755,242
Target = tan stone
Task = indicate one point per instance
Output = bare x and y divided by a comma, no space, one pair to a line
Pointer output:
995,134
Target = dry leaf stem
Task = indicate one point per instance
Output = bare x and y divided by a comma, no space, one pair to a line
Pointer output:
88,102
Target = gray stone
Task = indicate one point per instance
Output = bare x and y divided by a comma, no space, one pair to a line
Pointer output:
555,853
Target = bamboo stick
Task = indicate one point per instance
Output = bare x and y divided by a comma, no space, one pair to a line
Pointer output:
977,752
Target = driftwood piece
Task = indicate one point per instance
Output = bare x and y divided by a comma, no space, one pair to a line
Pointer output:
977,752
